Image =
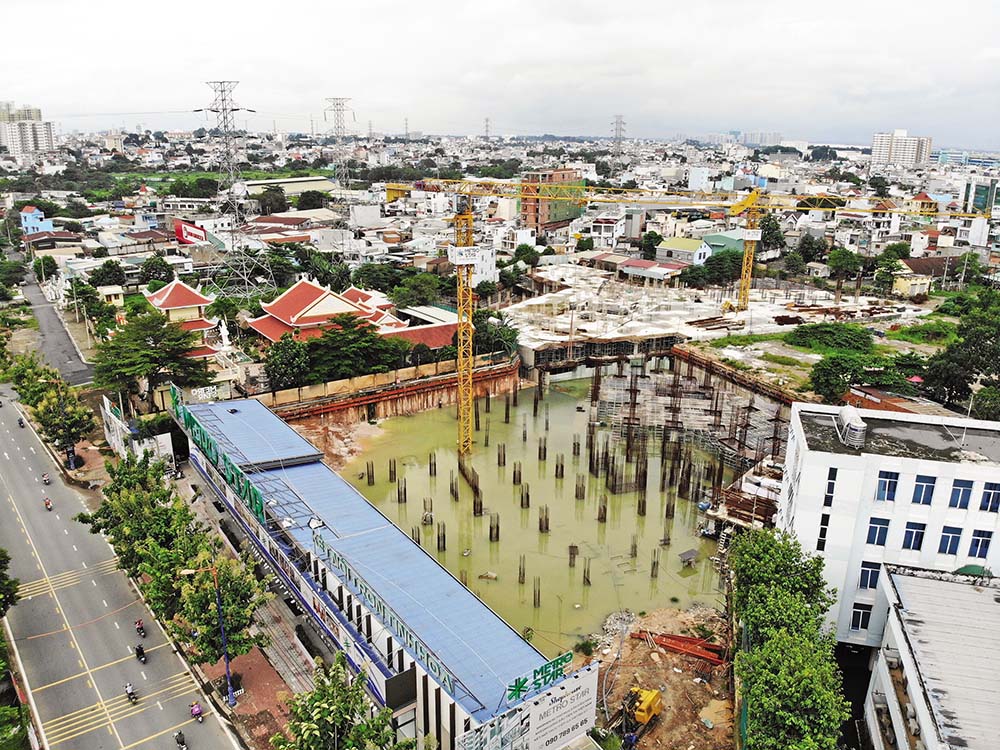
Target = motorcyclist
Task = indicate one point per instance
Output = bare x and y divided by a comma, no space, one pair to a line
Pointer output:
20,421
196,710
179,738
140,652
48,503
129,690
139,628
45,478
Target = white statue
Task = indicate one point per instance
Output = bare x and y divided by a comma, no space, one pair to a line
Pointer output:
224,332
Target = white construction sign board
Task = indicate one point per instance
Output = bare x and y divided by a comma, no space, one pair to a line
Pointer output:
547,721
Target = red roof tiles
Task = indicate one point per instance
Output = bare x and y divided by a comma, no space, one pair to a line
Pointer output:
434,336
293,302
177,294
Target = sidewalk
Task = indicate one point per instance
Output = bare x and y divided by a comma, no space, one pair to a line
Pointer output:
270,675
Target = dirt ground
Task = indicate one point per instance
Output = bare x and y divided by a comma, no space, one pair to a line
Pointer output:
339,442
689,703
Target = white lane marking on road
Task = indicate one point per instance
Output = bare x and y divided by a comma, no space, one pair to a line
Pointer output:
32,449
143,675
74,548
93,581
66,532
59,519
159,706
83,563
104,602
117,626
6,456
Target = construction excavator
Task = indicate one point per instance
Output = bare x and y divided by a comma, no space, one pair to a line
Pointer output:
639,712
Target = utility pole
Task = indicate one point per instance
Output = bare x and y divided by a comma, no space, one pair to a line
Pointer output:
406,129
338,105
486,129
245,272
371,134
616,151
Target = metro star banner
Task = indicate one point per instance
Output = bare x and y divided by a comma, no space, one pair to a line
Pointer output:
188,234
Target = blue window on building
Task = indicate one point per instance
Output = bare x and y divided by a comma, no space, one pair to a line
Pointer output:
913,537
961,491
991,497
887,482
878,530
923,490
869,575
861,615
950,536
980,546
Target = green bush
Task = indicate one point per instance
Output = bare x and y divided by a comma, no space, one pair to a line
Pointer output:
832,337
932,332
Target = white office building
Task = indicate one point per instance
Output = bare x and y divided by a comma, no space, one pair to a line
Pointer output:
934,685
23,137
900,149
865,488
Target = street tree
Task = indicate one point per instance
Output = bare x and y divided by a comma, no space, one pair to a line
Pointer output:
843,264
65,420
526,254
648,244
286,363
109,273
421,289
760,557
795,264
811,248
793,691
336,713
149,348
272,200
771,236
310,199
898,250
986,403
155,268
8,585
880,185
886,269
241,593
584,244
486,289
834,374
948,377
352,347
45,267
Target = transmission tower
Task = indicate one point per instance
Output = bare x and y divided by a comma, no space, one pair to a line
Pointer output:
486,129
616,151
371,133
406,128
338,105
244,272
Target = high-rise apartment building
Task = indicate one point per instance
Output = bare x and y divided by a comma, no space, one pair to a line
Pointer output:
761,138
540,214
900,149
866,488
10,113
24,137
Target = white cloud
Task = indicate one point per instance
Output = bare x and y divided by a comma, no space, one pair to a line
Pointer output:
837,72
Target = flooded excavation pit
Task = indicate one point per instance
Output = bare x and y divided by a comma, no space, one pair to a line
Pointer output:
565,528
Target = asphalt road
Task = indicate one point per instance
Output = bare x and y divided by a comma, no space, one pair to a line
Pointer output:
73,628
55,345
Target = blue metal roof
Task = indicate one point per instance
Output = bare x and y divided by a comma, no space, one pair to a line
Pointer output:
252,435
474,643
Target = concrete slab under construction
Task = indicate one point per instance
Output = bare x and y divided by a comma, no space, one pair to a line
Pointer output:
586,313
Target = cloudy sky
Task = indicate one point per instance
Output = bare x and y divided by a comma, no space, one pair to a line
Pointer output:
832,72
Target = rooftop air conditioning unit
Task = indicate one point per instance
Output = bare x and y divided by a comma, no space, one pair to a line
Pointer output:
851,429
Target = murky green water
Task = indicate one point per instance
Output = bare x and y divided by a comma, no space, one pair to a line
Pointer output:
569,609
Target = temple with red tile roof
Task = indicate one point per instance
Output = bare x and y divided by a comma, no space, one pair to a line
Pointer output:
185,306
305,311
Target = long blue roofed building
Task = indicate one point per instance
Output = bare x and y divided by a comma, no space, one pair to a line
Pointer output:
433,652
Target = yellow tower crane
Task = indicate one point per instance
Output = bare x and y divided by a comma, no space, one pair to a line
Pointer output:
463,255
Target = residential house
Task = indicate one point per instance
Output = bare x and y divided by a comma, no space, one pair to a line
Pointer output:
34,221
817,270
690,251
185,305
